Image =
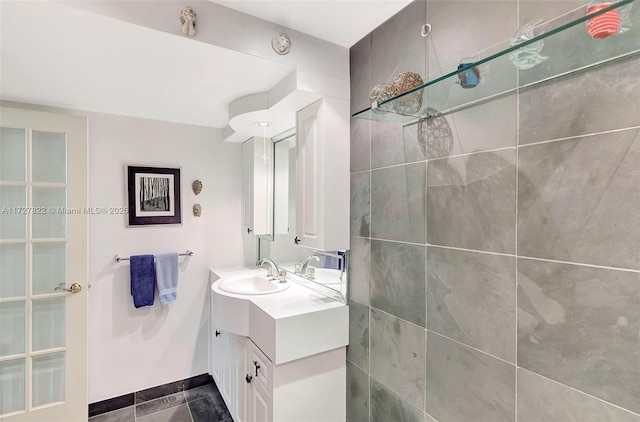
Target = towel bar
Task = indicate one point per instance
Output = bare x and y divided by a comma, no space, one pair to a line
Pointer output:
119,258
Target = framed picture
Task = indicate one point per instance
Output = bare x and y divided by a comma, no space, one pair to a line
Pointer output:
154,195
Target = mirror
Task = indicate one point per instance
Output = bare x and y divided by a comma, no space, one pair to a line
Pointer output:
257,187
324,269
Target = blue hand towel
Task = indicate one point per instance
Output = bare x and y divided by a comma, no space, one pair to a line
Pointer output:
167,276
143,280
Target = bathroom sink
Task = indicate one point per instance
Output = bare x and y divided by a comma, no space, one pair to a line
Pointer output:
252,285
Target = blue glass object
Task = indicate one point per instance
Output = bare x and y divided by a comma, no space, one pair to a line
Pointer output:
469,78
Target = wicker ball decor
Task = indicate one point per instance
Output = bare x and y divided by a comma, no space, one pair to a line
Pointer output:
380,93
409,104
435,135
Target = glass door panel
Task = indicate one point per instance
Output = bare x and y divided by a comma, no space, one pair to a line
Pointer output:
12,385
13,154
13,326
49,157
49,266
13,212
49,218
48,378
48,321
13,270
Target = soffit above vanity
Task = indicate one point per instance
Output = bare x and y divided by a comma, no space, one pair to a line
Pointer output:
278,106
60,56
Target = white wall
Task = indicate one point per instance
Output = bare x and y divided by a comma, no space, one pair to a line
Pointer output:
132,349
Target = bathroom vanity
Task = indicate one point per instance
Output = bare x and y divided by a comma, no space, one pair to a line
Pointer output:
277,350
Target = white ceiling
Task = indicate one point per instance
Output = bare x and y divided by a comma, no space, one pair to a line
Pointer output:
343,22
56,55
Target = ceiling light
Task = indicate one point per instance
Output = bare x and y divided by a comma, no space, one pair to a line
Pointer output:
263,124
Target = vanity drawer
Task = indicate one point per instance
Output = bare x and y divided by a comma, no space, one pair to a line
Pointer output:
261,367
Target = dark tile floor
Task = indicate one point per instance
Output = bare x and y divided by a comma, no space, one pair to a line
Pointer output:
200,404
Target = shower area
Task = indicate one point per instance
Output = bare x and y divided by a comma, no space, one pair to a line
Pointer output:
495,214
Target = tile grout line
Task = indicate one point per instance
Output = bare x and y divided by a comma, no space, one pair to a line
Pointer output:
579,391
392,166
188,407
580,264
357,366
352,172
586,135
471,250
515,385
473,348
398,395
426,272
397,241
602,267
369,269
517,145
426,250
394,316
467,154
158,399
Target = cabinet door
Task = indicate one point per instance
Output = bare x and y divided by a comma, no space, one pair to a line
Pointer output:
236,382
228,367
322,207
216,355
225,369
308,222
260,404
260,367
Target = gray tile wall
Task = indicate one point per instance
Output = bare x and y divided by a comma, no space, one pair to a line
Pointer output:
495,268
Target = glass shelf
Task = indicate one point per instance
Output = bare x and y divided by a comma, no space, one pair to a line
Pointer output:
564,47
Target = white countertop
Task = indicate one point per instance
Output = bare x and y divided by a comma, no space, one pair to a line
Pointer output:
287,325
295,300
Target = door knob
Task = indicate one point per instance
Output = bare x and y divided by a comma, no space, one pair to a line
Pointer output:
75,287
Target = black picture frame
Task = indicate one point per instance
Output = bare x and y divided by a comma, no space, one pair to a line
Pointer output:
154,195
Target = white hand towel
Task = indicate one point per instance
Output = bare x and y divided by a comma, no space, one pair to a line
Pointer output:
167,277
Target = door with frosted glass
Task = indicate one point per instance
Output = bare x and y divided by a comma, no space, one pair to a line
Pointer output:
43,252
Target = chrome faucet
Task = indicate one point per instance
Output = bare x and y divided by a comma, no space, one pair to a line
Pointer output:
273,270
305,263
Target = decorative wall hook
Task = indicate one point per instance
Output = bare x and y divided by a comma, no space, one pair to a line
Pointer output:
196,186
197,210
425,31
188,21
281,43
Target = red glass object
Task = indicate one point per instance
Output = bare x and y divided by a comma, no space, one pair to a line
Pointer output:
604,25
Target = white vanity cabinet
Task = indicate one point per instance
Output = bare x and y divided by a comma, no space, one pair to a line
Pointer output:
322,136
257,186
228,363
312,389
279,357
